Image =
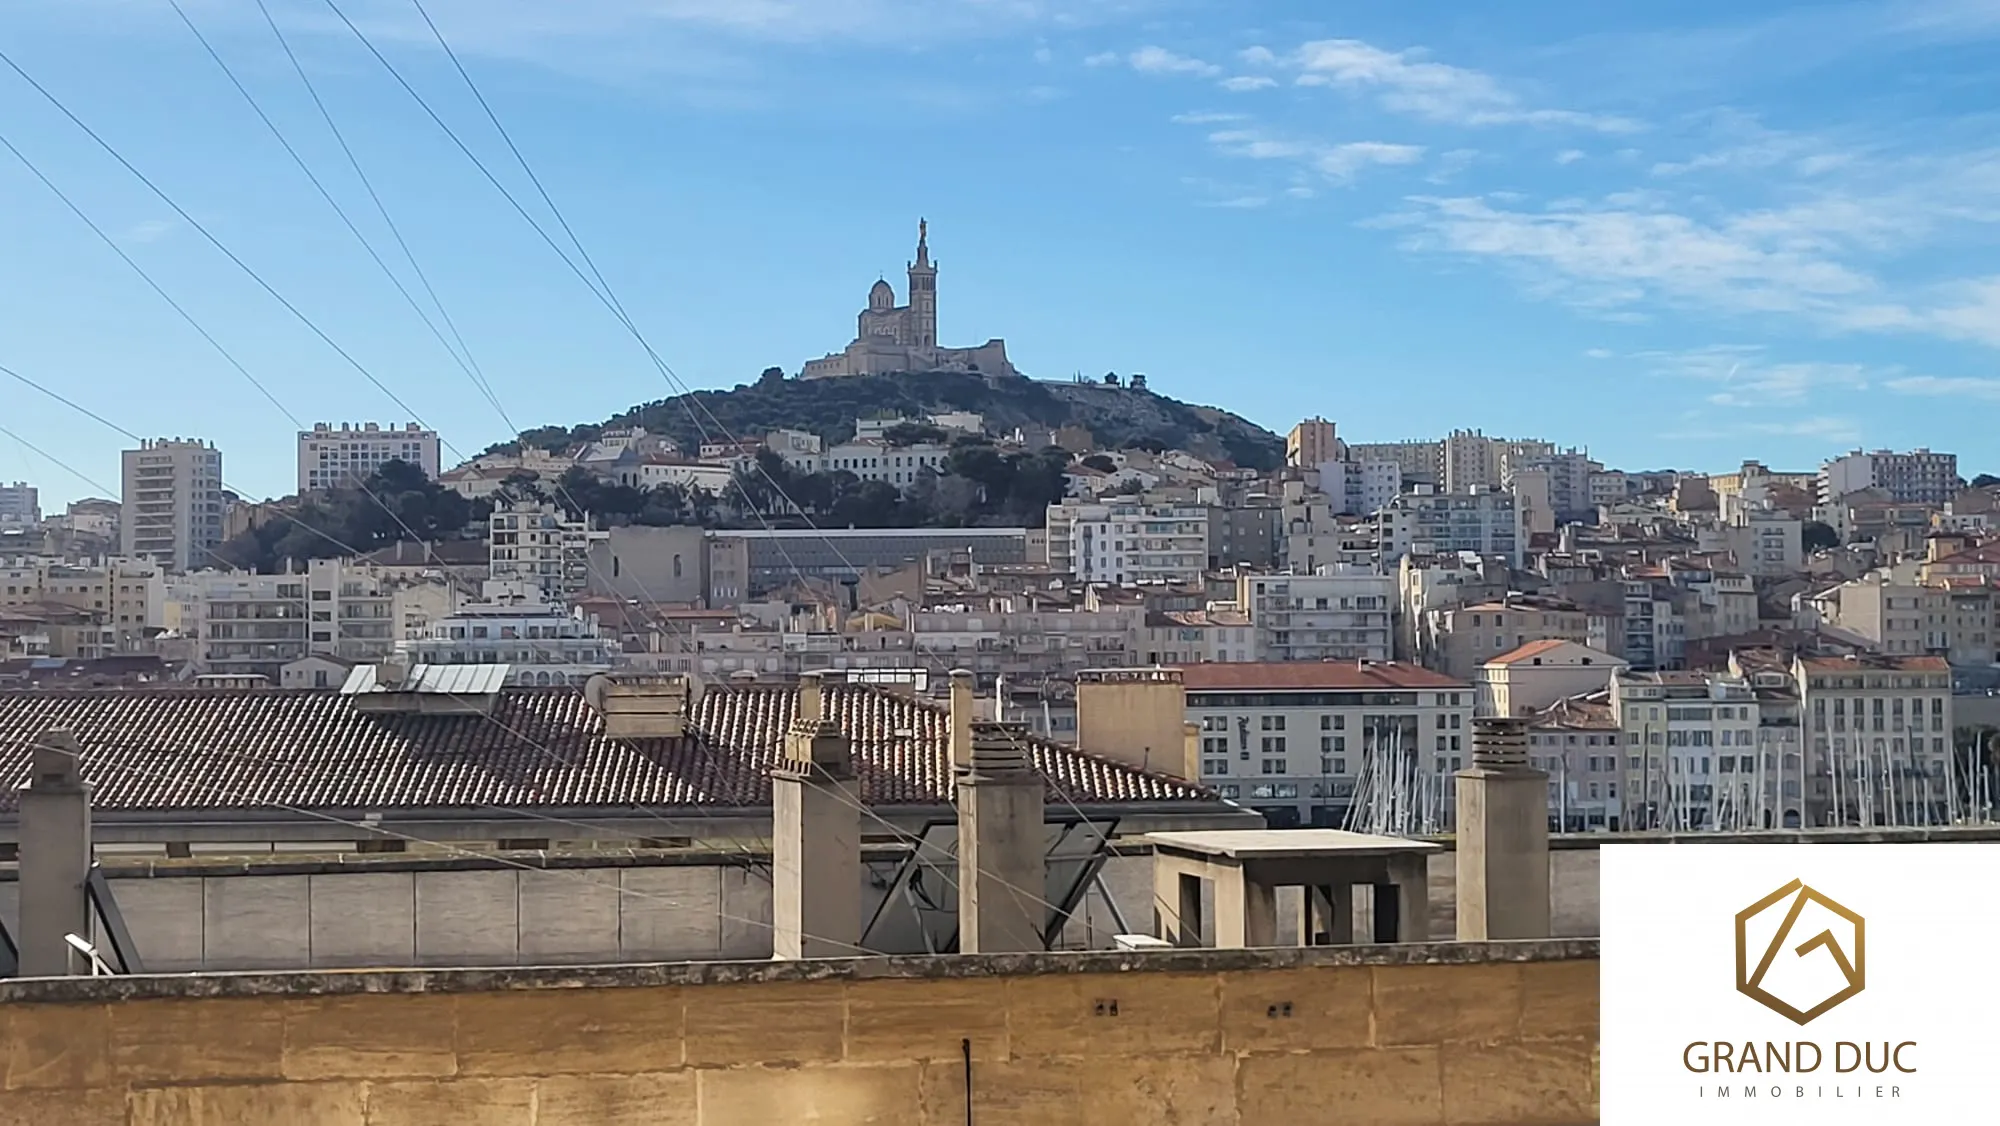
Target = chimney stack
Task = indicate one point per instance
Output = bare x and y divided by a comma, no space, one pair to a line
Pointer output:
1503,837
1002,874
961,717
643,705
816,835
55,856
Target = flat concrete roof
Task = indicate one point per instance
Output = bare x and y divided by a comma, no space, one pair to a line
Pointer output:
1275,844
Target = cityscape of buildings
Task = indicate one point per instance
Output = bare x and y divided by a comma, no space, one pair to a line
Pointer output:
1114,718
901,739
1464,576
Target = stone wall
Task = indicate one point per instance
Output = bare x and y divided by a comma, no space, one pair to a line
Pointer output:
1502,1033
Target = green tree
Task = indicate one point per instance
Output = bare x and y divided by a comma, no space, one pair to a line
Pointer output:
1815,536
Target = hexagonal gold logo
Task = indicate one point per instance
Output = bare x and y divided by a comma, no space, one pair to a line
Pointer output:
1800,991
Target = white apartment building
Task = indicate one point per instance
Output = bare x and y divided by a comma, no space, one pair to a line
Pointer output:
1484,522
332,456
1472,460
1127,541
873,459
1917,477
1339,613
540,544
800,450
1766,542
1570,474
1360,488
1689,737
1879,729
250,624
1416,458
1608,486
1293,740
514,624
172,503
20,503
1460,461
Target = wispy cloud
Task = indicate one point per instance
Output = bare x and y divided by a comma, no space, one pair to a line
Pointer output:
1825,427
1569,156
1244,83
152,230
1159,60
1626,249
1956,387
1207,118
1407,82
1745,377
1822,428
1334,161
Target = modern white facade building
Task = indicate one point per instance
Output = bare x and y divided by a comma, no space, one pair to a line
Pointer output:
1129,541
1339,613
1917,477
1483,521
1360,488
332,456
875,459
513,624
540,544
20,503
172,503
1879,729
251,624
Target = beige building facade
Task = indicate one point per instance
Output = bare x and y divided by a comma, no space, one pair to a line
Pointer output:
892,338
1534,676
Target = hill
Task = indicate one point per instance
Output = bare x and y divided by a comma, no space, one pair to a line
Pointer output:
1116,416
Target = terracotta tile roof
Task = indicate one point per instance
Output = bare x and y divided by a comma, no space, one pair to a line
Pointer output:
1529,651
1983,553
1590,712
1249,676
543,748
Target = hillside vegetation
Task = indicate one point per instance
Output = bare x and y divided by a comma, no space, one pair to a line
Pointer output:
1118,417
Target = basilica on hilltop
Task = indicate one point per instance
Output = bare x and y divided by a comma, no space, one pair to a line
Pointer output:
903,338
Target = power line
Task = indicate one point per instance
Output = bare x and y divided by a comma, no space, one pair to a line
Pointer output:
605,295
113,152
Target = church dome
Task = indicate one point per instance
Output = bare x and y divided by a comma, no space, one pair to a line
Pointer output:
881,296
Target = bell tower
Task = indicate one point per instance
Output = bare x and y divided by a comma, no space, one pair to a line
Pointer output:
923,292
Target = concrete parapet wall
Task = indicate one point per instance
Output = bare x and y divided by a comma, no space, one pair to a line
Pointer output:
374,911
1502,1033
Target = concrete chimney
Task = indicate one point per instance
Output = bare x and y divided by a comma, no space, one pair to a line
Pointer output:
961,717
1503,837
1137,717
55,856
643,705
1002,873
816,836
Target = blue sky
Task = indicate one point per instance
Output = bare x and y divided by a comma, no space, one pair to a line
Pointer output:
1682,234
